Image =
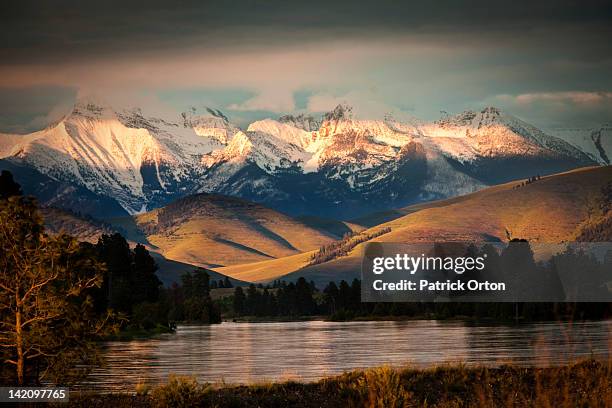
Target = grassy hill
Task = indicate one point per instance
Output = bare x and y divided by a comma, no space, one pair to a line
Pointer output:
171,271
553,209
548,210
267,270
252,243
211,230
57,220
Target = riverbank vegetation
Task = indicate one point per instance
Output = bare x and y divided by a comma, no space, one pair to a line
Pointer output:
131,289
515,263
581,384
301,300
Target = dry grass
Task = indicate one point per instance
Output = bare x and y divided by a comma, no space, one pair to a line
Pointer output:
582,384
267,270
57,221
549,210
214,232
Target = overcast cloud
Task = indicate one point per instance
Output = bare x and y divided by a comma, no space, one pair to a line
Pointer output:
548,63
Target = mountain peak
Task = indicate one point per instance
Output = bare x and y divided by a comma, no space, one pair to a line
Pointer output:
491,115
301,121
340,112
491,110
192,118
91,108
488,115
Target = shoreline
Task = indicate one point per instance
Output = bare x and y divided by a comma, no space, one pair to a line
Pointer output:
582,383
467,319
139,334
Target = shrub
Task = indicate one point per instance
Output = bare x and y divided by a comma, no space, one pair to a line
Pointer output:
142,388
179,392
377,388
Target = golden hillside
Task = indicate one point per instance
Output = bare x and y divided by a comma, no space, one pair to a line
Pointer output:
88,230
547,210
212,230
552,209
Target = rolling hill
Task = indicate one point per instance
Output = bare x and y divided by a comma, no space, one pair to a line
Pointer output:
89,230
552,209
211,230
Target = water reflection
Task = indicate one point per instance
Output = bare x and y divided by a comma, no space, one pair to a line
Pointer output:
255,352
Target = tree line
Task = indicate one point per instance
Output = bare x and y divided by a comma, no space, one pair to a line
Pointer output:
343,302
514,264
342,247
130,286
282,299
60,297
530,180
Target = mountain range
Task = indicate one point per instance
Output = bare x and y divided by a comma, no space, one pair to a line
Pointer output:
108,162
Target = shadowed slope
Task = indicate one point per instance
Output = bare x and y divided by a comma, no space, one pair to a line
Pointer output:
83,229
212,230
551,209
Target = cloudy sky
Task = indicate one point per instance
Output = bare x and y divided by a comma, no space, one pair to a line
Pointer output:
549,63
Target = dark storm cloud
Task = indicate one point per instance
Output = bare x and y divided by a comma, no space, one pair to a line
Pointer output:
56,30
549,62
28,109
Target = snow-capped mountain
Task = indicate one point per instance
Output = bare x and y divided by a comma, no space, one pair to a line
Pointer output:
596,142
120,154
336,166
347,164
492,133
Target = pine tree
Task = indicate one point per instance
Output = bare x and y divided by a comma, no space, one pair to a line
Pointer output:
331,297
8,187
344,296
239,301
47,318
118,292
145,282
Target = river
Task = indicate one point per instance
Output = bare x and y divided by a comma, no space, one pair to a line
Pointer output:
257,352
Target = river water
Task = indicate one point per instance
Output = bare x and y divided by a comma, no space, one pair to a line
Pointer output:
257,352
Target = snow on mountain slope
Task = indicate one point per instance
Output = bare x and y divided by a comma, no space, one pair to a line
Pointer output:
381,163
120,154
215,125
10,145
596,142
338,166
286,131
492,133
267,152
339,140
